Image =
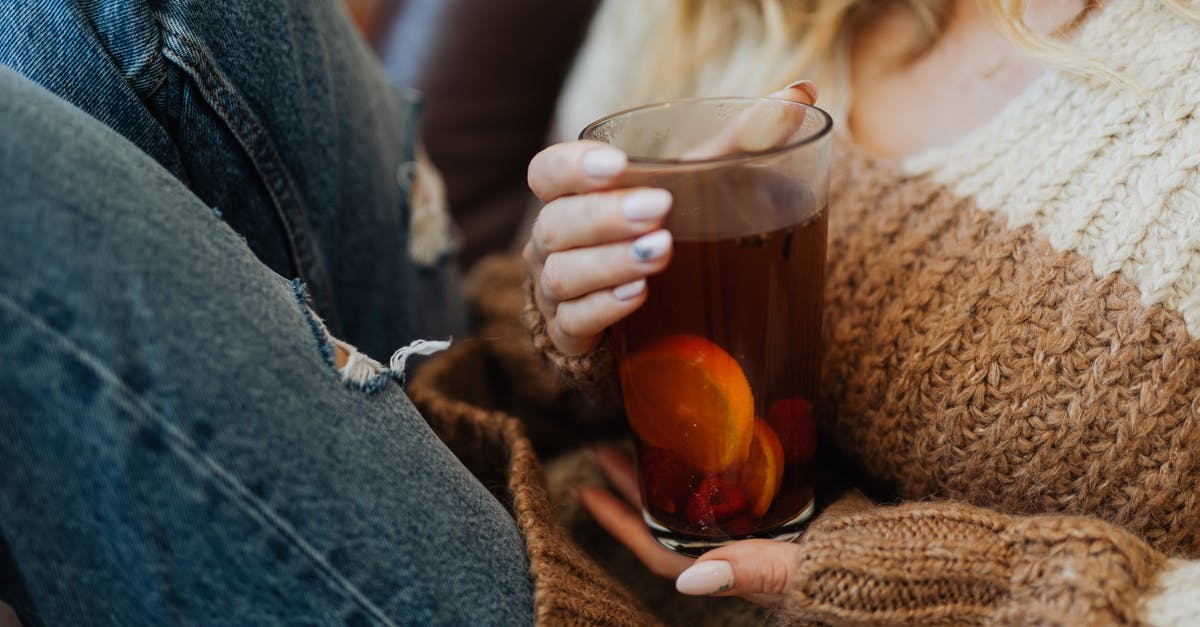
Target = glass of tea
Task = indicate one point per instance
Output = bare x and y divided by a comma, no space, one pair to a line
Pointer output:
720,367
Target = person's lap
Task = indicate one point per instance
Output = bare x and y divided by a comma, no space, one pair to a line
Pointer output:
175,445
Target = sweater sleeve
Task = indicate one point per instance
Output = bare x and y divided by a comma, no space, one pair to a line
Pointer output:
593,373
949,563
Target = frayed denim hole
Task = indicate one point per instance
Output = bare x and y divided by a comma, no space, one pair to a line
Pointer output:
376,384
370,382
320,333
363,372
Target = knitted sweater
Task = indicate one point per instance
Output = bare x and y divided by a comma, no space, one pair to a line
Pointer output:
1013,325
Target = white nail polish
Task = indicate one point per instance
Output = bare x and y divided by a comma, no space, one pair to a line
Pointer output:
646,204
708,577
652,246
629,290
604,163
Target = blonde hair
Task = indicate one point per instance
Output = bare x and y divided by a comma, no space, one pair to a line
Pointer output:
755,43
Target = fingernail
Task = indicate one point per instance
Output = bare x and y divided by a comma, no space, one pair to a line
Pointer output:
626,292
646,204
603,163
807,87
710,577
651,247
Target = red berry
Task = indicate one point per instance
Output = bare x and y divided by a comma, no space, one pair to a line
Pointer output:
666,481
715,499
792,420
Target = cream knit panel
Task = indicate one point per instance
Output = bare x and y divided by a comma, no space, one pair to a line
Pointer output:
1110,172
1176,602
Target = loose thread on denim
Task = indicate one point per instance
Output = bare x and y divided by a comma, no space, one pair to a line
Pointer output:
367,374
360,369
418,347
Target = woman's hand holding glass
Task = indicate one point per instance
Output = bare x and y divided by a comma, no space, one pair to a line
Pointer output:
592,248
594,243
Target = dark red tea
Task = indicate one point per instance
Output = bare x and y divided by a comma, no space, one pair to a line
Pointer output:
719,371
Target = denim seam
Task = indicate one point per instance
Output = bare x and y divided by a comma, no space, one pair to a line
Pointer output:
241,122
162,75
211,89
201,463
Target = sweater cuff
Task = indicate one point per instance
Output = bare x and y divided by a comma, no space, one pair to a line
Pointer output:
594,373
1073,570
952,563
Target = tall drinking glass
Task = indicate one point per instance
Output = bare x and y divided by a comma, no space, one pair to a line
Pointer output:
720,367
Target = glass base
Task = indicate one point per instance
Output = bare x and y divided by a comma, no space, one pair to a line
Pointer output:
695,546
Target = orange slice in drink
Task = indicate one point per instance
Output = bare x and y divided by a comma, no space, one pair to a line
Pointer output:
763,473
688,396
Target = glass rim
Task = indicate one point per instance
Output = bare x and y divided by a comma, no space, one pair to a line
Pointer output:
825,129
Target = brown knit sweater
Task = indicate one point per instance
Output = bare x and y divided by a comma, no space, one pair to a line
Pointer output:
967,360
1012,345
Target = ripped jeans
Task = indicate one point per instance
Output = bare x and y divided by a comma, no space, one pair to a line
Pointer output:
176,446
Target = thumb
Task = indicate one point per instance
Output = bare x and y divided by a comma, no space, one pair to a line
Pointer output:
759,570
799,91
762,127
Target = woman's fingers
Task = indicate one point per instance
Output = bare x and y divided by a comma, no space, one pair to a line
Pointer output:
758,570
585,281
620,471
626,525
574,168
583,291
573,273
575,326
590,253
598,218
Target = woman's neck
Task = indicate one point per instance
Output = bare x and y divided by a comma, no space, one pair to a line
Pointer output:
904,106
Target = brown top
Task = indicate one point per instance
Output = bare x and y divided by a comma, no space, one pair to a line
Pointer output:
1011,341
971,361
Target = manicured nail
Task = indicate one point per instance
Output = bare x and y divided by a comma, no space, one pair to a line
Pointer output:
710,577
626,292
807,87
604,163
651,247
646,204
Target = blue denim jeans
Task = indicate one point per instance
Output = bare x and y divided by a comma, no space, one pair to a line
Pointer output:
176,446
